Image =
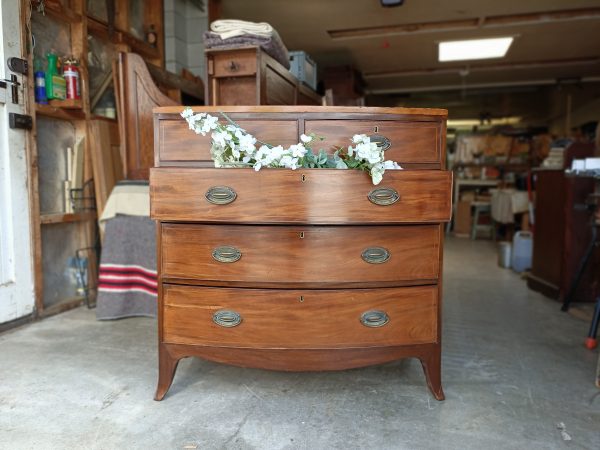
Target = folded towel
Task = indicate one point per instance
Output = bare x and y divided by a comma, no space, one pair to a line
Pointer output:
231,28
271,45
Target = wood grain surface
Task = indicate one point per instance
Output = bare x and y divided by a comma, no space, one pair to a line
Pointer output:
178,143
299,318
410,142
309,196
281,254
324,110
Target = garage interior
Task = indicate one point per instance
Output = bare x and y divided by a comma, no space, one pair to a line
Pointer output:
521,261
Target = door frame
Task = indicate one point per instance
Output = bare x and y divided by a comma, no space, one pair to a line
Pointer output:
17,288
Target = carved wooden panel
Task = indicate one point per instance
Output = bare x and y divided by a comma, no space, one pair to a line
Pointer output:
138,95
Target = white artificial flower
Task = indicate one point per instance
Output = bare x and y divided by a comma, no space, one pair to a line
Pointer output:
257,165
306,139
187,112
221,137
358,138
351,151
289,162
246,141
297,150
392,165
377,172
209,123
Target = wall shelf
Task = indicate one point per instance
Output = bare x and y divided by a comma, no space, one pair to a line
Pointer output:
67,104
46,219
58,112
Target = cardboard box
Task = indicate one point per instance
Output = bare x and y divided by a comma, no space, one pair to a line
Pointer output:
462,219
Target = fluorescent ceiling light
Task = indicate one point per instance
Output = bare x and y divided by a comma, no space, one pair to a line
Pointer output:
474,49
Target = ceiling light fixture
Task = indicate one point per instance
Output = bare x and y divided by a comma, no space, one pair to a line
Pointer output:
474,49
390,3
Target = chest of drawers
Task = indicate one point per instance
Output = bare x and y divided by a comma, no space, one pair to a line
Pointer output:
305,270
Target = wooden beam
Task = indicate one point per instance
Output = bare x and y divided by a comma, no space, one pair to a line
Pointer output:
186,86
508,20
486,67
215,10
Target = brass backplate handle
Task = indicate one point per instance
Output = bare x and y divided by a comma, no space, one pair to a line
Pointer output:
381,141
227,318
375,255
226,254
383,196
220,195
374,318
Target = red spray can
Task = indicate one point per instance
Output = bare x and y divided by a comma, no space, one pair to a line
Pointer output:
71,74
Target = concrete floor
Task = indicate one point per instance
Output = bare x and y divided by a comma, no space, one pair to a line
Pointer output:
513,367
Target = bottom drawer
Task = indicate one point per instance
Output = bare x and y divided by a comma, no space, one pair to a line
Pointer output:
299,318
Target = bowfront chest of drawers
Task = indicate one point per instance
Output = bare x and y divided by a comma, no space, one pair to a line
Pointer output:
312,269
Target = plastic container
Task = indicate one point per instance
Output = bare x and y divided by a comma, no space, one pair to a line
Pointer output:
304,68
522,251
505,254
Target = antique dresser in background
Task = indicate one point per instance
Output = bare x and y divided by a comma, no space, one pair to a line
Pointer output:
312,269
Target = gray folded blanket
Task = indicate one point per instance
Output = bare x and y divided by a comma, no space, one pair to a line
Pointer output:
273,45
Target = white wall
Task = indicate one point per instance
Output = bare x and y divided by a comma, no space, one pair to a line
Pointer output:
184,27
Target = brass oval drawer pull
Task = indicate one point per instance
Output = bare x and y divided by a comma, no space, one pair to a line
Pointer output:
226,254
374,318
226,318
220,195
381,141
383,196
375,255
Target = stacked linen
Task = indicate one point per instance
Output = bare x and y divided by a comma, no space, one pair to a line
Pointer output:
238,33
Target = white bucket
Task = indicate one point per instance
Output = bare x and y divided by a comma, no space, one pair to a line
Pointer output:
504,254
522,251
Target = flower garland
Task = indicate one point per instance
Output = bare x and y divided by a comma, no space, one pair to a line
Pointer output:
232,146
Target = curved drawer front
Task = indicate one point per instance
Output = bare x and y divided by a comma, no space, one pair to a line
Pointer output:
408,142
318,196
299,318
336,255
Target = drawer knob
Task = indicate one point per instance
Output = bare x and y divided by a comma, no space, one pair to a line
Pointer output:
226,318
226,254
375,255
220,195
381,141
374,318
383,196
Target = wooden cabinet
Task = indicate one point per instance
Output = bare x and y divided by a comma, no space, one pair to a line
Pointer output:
248,76
562,230
312,269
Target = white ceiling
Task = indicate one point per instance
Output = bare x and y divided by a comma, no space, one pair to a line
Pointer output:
401,60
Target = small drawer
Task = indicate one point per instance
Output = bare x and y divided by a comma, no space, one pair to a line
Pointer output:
336,256
408,142
314,196
178,143
233,64
258,318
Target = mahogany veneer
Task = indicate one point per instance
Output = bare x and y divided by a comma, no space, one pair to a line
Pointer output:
301,270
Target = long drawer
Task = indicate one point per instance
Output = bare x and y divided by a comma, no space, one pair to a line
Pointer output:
332,255
406,142
318,196
299,318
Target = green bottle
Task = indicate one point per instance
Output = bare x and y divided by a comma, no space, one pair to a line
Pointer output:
56,86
